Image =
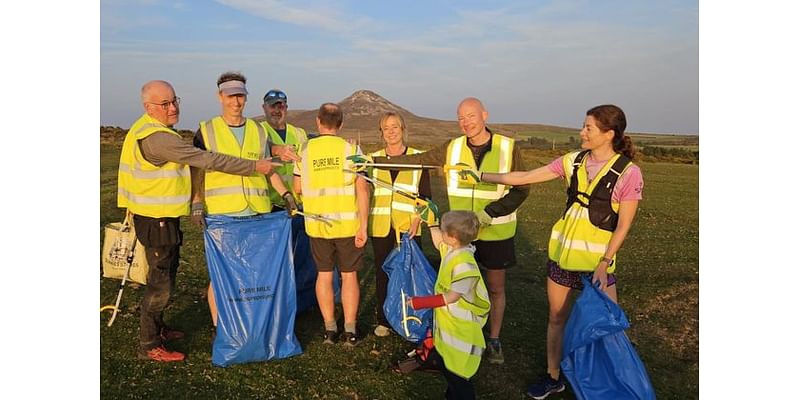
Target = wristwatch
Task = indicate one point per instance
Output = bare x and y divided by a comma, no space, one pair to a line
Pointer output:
609,261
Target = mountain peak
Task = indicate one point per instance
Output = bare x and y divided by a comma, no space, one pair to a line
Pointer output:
368,103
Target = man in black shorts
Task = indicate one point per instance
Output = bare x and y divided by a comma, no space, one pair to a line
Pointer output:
495,205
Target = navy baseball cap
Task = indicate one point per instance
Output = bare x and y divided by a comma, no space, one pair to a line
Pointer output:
275,96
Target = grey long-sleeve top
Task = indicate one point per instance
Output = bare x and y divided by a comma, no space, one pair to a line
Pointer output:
162,147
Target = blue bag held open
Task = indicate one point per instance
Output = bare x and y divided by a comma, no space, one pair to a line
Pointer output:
305,270
599,360
410,274
252,273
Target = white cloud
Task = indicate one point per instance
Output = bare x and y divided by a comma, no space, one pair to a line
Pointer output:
316,15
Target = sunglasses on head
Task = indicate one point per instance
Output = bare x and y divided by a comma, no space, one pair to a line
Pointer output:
273,94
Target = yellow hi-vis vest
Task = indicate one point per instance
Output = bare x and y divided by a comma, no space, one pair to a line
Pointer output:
575,243
477,197
457,327
389,208
144,188
327,189
227,193
294,136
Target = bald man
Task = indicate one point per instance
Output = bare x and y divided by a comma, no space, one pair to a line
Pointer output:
155,187
495,205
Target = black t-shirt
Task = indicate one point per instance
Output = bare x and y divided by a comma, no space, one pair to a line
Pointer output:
479,151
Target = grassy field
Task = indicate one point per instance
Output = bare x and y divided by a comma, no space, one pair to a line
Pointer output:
658,289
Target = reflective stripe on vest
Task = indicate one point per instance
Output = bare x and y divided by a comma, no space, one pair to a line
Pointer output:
575,243
390,209
327,189
294,136
476,197
228,193
146,189
457,327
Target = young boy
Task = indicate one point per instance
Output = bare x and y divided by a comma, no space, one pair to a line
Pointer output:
460,302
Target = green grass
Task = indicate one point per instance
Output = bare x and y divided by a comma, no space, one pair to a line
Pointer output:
658,289
559,137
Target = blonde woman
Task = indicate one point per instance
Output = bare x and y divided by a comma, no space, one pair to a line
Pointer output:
391,214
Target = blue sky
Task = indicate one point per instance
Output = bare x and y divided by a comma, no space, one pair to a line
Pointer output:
528,61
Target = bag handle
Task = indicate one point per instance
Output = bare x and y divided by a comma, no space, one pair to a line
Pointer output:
127,223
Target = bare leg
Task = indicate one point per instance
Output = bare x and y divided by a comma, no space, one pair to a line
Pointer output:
611,291
350,296
324,289
557,298
496,280
212,304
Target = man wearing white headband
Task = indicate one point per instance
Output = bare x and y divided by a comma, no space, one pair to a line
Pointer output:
153,148
218,193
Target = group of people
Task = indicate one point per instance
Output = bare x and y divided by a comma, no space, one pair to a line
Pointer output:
230,168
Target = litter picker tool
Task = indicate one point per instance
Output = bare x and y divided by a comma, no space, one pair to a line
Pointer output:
422,206
388,165
323,219
406,317
129,260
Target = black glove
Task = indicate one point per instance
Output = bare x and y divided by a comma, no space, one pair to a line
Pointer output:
291,204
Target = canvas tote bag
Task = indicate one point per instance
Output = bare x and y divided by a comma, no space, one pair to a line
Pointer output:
119,238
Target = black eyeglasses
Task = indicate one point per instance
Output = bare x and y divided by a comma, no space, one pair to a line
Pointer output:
165,105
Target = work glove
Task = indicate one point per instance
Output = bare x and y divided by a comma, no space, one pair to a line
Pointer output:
290,203
428,212
484,218
466,174
198,216
362,159
469,176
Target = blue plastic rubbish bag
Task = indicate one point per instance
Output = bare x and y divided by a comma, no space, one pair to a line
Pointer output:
305,270
252,274
599,359
410,274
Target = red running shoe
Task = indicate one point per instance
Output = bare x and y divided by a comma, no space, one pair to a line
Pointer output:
161,354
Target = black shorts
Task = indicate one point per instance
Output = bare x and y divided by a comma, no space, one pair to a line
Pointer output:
496,254
341,252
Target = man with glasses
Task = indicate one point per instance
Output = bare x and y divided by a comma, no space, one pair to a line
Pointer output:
285,138
220,193
495,205
155,186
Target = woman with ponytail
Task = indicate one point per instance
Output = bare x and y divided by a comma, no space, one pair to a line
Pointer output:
604,189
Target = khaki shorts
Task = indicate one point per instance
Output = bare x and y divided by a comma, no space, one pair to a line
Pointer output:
341,252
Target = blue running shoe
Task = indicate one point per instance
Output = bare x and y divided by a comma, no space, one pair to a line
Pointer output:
546,386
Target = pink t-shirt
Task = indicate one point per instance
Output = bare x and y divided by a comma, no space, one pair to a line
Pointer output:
629,185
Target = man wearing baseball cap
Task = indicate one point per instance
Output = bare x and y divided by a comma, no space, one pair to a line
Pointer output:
286,139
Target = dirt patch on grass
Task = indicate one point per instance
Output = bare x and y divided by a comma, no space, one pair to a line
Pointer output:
672,316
